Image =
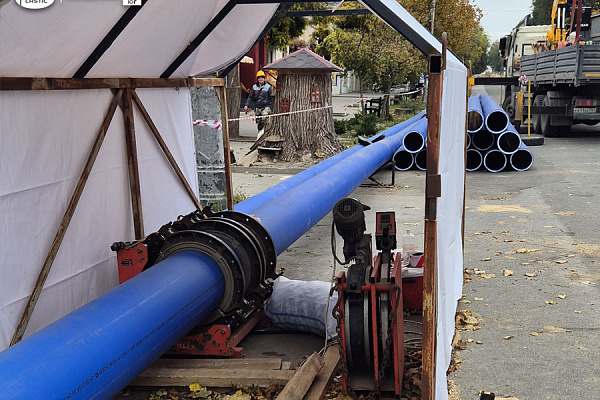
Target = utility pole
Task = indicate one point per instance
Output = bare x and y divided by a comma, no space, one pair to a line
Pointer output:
432,6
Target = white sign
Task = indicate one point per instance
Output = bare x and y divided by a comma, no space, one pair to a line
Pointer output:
34,4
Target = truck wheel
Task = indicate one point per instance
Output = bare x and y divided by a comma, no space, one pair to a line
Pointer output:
536,122
546,127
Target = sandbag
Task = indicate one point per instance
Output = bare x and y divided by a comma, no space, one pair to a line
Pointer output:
300,306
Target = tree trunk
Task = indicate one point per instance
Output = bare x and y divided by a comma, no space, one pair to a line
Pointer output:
306,131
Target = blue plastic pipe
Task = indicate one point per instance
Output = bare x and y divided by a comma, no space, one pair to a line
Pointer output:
474,114
494,160
290,215
249,205
415,140
474,160
522,159
95,351
403,160
496,119
509,141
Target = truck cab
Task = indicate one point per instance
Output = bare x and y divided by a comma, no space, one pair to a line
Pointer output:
521,42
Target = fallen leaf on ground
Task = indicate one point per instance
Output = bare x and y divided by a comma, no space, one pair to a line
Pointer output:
562,296
534,334
465,301
561,261
507,272
525,251
524,263
486,259
577,311
194,387
585,282
530,274
507,337
470,340
564,213
551,302
479,342
486,276
477,298
554,329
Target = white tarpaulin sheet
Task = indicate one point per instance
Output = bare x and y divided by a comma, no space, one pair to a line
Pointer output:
55,41
46,137
450,214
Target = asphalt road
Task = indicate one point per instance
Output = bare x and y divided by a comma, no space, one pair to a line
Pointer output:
539,334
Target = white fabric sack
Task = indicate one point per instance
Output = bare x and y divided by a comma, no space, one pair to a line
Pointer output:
300,306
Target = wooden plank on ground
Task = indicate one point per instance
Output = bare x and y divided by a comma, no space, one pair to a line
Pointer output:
210,377
299,384
325,376
234,363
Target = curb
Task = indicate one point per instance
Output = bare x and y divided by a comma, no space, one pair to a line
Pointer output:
266,170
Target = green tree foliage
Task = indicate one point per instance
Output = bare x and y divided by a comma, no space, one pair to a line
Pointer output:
494,59
477,52
376,53
542,10
455,17
287,29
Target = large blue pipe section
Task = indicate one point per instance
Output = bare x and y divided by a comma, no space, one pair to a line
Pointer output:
496,119
416,139
99,348
249,205
290,215
474,114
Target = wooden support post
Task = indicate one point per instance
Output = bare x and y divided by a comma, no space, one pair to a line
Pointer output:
221,95
165,149
132,166
432,192
66,220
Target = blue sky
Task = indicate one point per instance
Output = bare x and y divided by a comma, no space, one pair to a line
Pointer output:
500,16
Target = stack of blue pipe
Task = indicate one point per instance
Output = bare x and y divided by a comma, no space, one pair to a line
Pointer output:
413,152
493,143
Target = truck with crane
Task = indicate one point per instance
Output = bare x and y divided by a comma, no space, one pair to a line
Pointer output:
552,72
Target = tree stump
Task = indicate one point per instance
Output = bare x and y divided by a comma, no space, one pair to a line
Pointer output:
304,131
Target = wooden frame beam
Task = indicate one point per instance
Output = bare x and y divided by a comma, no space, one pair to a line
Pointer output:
66,220
221,95
165,149
432,192
104,83
132,165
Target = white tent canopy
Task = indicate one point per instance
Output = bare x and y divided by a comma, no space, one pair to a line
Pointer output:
45,137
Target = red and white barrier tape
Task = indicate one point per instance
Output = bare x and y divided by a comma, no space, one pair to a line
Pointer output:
208,122
217,124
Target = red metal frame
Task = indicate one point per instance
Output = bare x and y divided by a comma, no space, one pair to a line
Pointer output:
131,261
216,340
373,287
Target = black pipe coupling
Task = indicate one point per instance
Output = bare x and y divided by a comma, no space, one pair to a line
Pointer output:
237,242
